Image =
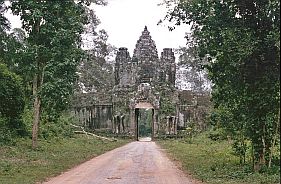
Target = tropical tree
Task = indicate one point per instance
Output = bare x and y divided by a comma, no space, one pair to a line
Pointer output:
11,84
192,67
52,52
8,42
241,39
95,70
4,27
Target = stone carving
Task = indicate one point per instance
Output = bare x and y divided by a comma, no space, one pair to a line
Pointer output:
145,66
137,80
145,51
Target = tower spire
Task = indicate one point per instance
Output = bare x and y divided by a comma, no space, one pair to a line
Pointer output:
145,28
145,49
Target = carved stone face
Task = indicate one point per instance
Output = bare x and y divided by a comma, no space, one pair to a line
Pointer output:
143,71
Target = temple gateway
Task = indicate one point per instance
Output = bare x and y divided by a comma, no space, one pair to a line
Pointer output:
144,96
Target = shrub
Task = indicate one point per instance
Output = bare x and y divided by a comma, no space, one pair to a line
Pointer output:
11,105
59,128
11,94
218,134
5,133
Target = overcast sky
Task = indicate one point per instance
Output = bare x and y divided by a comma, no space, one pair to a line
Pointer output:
124,20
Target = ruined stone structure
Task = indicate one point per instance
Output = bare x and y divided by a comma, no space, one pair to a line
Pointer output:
143,81
193,108
137,78
144,66
93,110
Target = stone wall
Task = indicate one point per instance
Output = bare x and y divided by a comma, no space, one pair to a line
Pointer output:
193,109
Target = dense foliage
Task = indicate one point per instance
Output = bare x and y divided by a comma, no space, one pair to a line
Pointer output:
12,105
11,86
11,94
51,54
45,55
241,40
212,162
97,62
191,69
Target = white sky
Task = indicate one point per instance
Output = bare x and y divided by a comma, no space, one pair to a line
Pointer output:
124,20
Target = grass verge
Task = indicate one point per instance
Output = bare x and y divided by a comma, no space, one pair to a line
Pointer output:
21,164
213,162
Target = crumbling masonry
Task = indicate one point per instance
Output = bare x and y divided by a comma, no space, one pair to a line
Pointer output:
141,81
138,79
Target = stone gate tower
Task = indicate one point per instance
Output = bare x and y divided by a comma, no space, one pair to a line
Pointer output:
137,79
145,65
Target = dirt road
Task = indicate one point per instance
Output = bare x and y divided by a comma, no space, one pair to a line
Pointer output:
134,163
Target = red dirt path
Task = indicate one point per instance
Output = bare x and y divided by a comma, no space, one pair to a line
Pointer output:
134,163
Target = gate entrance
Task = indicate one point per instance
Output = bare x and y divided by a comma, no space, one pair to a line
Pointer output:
144,121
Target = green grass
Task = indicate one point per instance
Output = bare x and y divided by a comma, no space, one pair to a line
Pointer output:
20,164
213,162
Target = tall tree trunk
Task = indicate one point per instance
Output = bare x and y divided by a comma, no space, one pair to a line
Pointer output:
253,156
36,111
274,139
261,151
37,82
